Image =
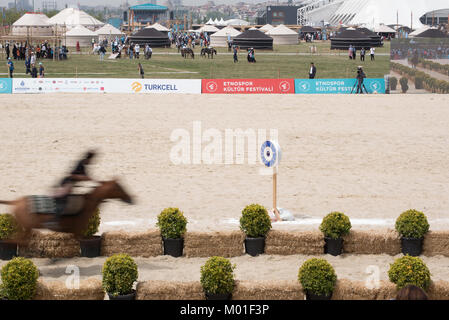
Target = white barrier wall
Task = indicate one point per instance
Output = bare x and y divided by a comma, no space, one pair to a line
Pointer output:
139,86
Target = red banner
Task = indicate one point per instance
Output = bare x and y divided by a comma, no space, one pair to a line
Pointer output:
248,86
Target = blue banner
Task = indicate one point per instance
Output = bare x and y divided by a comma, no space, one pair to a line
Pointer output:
5,85
337,86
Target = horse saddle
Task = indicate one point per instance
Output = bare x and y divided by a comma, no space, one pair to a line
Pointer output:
69,206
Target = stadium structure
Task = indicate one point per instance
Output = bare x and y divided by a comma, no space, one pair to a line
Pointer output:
412,13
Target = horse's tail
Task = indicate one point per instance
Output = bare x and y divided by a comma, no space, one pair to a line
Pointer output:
8,203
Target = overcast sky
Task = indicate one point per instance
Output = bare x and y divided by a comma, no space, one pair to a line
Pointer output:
61,3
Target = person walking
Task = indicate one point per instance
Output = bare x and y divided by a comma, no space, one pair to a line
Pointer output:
141,71
312,72
10,67
236,54
33,71
102,52
350,53
137,49
41,70
372,52
362,54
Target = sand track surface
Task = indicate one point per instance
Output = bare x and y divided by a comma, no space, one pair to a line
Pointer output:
371,157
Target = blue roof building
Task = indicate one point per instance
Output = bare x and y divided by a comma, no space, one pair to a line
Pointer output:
147,14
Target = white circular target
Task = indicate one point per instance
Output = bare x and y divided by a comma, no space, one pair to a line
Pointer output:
271,154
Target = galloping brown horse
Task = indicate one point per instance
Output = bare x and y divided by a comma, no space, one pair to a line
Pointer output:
75,224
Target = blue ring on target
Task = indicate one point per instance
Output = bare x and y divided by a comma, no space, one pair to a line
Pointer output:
270,160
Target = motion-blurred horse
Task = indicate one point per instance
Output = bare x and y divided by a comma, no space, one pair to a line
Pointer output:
209,51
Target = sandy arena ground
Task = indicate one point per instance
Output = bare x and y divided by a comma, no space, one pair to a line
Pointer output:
371,157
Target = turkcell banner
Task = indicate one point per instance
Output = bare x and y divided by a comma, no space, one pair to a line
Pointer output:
47,85
337,86
106,86
192,86
248,86
5,85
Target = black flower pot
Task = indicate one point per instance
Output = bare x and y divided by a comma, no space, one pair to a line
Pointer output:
217,296
315,297
412,246
128,297
8,250
173,247
333,246
254,246
91,247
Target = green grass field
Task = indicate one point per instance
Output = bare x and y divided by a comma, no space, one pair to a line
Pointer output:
282,62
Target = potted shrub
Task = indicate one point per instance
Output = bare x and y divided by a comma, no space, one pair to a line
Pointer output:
412,226
334,226
255,223
172,224
409,270
393,83
19,279
8,229
119,274
90,244
404,84
318,279
217,278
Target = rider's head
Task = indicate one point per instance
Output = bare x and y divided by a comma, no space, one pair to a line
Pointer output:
90,155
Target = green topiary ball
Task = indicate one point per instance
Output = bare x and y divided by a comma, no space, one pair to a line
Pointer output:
335,225
19,279
172,223
412,224
217,276
94,224
255,221
317,276
409,270
119,274
8,226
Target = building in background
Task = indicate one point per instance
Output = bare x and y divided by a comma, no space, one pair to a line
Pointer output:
141,15
277,15
21,5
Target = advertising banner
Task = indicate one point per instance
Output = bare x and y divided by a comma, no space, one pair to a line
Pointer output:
248,86
5,85
47,85
153,86
337,86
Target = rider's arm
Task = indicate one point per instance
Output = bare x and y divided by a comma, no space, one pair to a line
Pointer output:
78,177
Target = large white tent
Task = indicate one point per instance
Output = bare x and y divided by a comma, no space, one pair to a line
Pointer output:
220,38
266,28
283,35
208,28
32,24
372,12
82,35
72,17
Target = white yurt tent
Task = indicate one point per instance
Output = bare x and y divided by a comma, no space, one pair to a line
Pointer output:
209,29
220,38
108,32
159,28
72,17
266,28
210,22
32,24
283,35
82,35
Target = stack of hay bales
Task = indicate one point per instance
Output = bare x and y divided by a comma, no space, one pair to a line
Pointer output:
268,290
148,244
223,244
90,289
373,242
357,290
51,245
436,243
289,243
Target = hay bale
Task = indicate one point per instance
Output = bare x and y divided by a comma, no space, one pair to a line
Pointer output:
436,243
168,290
51,245
90,289
224,244
357,290
290,243
268,290
439,290
372,242
145,244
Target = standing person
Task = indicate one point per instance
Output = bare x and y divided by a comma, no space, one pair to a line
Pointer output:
33,58
41,70
8,51
350,52
372,51
10,67
102,52
312,72
362,54
354,53
33,71
141,72
137,48
28,65
236,56
360,78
